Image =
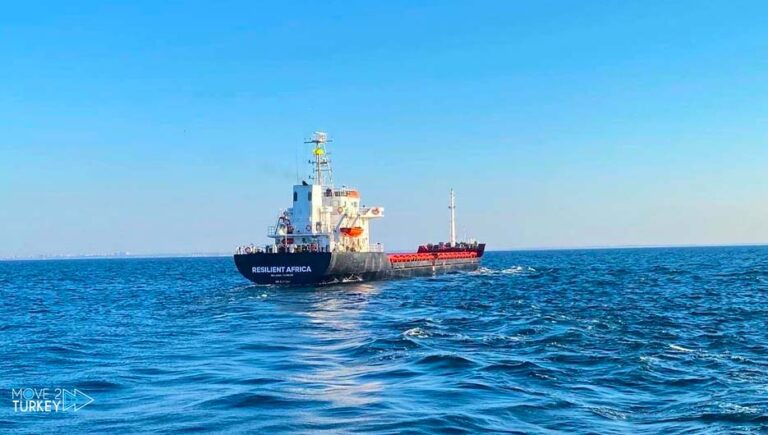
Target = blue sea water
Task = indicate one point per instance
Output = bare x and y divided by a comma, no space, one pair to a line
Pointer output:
602,341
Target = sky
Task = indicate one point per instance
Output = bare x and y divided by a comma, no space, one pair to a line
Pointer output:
177,127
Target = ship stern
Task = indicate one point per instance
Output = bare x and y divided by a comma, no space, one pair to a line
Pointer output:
300,268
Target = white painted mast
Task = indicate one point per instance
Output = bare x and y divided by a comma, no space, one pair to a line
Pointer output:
452,206
321,163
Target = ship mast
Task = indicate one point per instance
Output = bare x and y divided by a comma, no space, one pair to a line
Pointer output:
321,164
452,206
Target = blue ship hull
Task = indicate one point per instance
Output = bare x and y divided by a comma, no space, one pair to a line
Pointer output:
315,268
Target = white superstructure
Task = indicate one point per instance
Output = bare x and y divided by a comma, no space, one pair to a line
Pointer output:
324,218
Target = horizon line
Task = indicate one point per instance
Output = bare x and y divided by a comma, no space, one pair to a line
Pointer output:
121,255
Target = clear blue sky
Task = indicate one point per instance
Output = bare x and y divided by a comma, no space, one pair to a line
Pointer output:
156,127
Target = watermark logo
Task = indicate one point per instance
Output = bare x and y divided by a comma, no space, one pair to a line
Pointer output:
48,399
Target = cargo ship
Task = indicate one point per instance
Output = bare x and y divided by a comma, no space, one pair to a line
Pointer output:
324,238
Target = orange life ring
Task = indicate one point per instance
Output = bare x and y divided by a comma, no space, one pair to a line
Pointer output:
375,211
340,210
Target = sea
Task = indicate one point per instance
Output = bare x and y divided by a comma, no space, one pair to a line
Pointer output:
635,341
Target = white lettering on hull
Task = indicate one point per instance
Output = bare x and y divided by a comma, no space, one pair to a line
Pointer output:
281,269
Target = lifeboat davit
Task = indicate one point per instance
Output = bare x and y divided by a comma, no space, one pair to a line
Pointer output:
352,232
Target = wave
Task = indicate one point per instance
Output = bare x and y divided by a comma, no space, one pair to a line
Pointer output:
445,361
678,348
512,270
248,400
417,333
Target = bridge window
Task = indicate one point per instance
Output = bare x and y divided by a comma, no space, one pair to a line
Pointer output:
295,196
309,196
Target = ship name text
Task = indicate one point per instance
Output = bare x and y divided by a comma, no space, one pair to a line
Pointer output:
281,269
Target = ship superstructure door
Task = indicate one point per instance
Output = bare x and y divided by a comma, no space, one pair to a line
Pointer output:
307,211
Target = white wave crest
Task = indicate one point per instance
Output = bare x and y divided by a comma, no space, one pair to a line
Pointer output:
513,270
680,348
416,332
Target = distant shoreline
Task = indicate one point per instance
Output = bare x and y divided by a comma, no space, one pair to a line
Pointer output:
222,254
617,247
113,257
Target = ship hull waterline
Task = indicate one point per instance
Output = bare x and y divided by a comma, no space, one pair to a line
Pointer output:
322,268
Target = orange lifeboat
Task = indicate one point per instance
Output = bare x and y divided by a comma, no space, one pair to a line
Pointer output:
352,232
